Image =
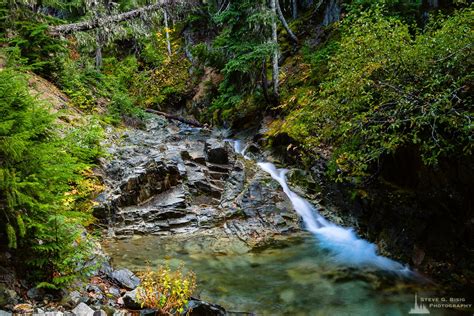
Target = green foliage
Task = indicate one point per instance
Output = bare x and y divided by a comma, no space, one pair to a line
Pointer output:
37,169
238,52
408,10
27,31
386,90
84,141
165,81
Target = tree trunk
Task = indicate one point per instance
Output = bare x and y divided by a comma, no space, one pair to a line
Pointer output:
95,23
294,9
283,21
265,80
98,54
275,69
176,118
168,43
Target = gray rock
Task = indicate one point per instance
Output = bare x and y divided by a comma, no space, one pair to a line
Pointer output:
5,313
75,297
200,308
93,288
114,291
216,151
130,300
7,296
100,313
125,278
35,293
83,310
148,312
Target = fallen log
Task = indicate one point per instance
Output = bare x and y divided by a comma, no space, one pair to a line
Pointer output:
176,118
106,20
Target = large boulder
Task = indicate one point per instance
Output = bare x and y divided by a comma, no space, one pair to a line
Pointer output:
216,151
125,278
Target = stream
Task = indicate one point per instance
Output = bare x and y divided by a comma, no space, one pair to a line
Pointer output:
323,269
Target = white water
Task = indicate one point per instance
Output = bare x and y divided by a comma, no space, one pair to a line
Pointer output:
343,244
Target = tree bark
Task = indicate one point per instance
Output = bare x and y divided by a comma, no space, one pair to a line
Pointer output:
294,9
102,21
265,80
98,54
175,117
168,43
283,21
275,70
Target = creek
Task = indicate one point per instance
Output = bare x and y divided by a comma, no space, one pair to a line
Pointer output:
249,251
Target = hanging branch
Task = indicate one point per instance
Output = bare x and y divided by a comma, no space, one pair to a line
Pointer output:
283,21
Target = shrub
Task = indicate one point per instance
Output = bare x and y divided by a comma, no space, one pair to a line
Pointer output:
165,290
387,89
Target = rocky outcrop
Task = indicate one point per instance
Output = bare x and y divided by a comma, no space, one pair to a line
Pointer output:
171,179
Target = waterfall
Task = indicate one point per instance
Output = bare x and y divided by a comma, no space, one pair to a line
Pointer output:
344,246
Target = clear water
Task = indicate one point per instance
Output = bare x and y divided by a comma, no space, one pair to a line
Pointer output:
293,277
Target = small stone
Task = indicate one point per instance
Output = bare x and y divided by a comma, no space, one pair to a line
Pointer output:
100,313
130,300
75,297
114,291
148,312
93,288
83,310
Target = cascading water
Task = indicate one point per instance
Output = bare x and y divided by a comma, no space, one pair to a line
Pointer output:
343,244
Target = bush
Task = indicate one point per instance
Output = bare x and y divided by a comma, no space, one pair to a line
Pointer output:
387,89
165,290
41,214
